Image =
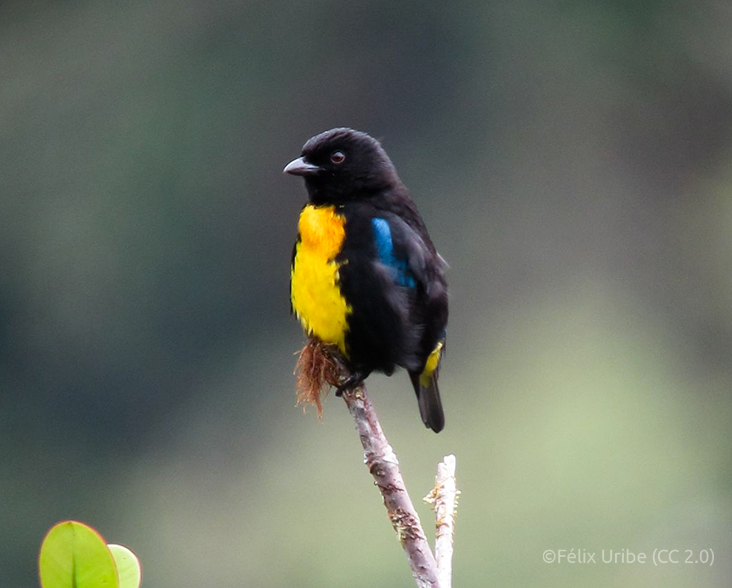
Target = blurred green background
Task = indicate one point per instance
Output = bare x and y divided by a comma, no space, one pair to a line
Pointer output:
573,160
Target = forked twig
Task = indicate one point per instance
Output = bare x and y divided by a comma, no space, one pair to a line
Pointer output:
444,499
320,365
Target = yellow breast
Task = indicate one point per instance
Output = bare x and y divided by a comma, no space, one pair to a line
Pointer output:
315,284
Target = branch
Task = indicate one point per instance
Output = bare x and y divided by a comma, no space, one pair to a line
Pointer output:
384,467
319,365
444,499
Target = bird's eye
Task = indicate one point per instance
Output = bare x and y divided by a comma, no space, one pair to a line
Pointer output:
337,157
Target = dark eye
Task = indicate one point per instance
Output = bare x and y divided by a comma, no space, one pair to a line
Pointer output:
337,157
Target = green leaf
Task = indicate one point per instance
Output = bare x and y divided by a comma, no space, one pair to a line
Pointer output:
128,566
74,555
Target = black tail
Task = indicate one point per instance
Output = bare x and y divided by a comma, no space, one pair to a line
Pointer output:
430,405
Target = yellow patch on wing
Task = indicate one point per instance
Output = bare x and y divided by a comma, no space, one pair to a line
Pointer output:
315,283
425,378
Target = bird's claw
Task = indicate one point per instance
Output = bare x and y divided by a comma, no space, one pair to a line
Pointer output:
351,382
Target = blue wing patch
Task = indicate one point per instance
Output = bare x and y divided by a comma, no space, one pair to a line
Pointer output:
385,249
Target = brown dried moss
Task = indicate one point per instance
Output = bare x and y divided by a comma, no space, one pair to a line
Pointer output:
317,366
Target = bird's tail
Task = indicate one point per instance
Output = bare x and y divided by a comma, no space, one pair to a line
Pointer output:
428,394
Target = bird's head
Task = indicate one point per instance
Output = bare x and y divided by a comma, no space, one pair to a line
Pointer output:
343,165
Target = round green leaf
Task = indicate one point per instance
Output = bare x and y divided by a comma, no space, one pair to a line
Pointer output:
74,555
128,566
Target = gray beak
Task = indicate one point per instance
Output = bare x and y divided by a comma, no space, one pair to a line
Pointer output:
300,167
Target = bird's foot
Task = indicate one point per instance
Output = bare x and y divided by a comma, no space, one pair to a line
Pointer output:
351,382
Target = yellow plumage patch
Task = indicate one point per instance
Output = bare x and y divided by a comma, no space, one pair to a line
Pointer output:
432,362
314,287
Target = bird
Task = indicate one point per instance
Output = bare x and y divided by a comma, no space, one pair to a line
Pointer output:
365,276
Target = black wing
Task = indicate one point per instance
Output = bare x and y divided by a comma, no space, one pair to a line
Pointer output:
417,266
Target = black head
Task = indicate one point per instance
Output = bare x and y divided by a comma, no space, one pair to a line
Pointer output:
342,165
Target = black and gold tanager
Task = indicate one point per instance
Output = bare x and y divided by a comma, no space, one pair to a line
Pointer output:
365,276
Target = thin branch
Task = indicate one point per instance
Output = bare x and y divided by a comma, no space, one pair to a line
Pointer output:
444,499
384,467
320,366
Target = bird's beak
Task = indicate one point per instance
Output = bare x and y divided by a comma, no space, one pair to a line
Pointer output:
300,167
